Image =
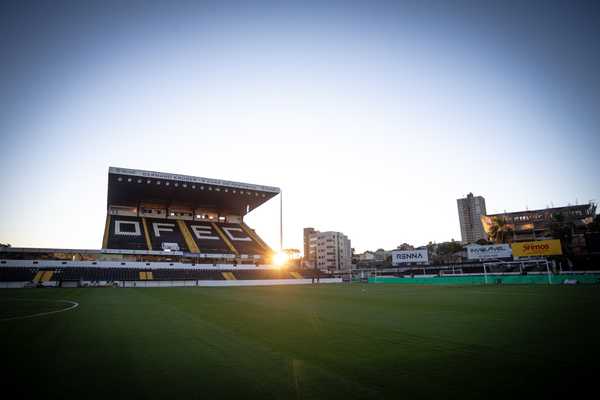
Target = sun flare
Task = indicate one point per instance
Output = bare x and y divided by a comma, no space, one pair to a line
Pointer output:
280,259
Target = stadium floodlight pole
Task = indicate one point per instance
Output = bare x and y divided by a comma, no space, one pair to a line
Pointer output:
281,220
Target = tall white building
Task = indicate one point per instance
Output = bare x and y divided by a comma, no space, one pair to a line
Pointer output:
329,250
470,211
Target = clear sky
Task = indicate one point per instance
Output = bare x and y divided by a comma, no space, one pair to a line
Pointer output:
372,117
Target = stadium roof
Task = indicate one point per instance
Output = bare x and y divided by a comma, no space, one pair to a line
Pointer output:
588,209
130,187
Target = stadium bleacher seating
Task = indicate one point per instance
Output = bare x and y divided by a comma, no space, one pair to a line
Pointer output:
155,221
76,274
17,274
137,233
253,275
165,232
96,274
207,237
126,233
186,274
241,240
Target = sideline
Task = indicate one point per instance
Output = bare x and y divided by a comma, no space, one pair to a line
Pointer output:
73,305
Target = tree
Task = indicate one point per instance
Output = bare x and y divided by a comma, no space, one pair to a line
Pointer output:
455,247
499,230
562,230
447,248
292,254
592,227
445,252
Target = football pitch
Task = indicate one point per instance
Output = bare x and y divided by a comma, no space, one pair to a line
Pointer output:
300,342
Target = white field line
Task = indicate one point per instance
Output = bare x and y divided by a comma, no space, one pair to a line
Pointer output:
73,304
496,292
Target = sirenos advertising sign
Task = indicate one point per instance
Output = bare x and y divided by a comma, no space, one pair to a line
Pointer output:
537,248
409,256
487,252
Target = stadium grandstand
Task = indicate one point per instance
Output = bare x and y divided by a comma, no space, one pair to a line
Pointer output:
163,230
537,224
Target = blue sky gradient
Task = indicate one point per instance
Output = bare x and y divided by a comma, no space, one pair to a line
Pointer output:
373,118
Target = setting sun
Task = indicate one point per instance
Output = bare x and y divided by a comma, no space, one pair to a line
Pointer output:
280,259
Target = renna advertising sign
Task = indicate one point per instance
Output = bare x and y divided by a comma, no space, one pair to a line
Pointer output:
487,252
409,256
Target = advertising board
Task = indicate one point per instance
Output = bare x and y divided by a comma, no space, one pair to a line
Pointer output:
537,248
487,252
409,256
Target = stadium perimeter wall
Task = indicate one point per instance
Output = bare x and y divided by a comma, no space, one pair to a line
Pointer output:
240,282
189,283
491,279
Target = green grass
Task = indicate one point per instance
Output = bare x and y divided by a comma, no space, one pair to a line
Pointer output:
330,342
